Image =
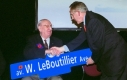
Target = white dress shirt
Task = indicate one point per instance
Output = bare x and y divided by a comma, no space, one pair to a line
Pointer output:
47,40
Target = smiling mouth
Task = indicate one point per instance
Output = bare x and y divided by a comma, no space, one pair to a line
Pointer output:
49,31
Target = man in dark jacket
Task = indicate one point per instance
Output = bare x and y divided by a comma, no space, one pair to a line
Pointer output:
38,45
109,50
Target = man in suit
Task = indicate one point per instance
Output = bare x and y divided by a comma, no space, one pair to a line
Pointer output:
109,50
39,44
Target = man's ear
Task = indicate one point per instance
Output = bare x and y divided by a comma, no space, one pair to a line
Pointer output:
39,28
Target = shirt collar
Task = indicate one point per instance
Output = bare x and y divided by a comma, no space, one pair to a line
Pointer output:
47,40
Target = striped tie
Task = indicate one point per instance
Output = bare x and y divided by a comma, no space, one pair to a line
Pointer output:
45,44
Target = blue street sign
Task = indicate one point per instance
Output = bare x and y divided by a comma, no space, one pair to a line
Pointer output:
50,66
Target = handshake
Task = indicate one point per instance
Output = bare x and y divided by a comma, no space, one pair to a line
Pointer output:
55,51
59,50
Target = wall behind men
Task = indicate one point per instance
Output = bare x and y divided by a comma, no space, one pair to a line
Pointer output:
58,11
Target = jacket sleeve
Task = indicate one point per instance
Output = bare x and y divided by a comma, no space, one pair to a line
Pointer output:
77,41
32,51
97,34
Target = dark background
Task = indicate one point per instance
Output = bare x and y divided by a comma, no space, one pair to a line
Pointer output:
17,22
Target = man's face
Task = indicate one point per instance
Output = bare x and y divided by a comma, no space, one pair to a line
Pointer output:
75,15
45,28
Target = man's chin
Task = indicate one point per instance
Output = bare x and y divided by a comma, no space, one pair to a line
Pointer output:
79,22
49,35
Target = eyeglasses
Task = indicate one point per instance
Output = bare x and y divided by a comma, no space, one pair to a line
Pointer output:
47,25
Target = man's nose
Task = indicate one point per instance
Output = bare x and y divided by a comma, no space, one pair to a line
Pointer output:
50,28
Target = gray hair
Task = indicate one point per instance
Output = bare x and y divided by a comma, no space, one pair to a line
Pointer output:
80,6
39,23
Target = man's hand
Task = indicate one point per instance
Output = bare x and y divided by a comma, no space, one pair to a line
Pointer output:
57,50
89,61
50,51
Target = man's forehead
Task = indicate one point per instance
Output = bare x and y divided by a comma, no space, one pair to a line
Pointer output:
46,22
72,11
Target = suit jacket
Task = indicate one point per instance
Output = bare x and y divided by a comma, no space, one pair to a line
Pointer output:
35,47
108,47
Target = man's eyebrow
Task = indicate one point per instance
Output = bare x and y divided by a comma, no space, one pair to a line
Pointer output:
47,25
71,13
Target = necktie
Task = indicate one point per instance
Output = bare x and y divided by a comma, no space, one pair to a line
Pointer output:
45,44
85,28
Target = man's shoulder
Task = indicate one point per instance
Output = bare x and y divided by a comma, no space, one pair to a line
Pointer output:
56,38
33,36
56,41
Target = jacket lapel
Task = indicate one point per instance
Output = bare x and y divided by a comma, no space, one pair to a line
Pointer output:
51,44
40,40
